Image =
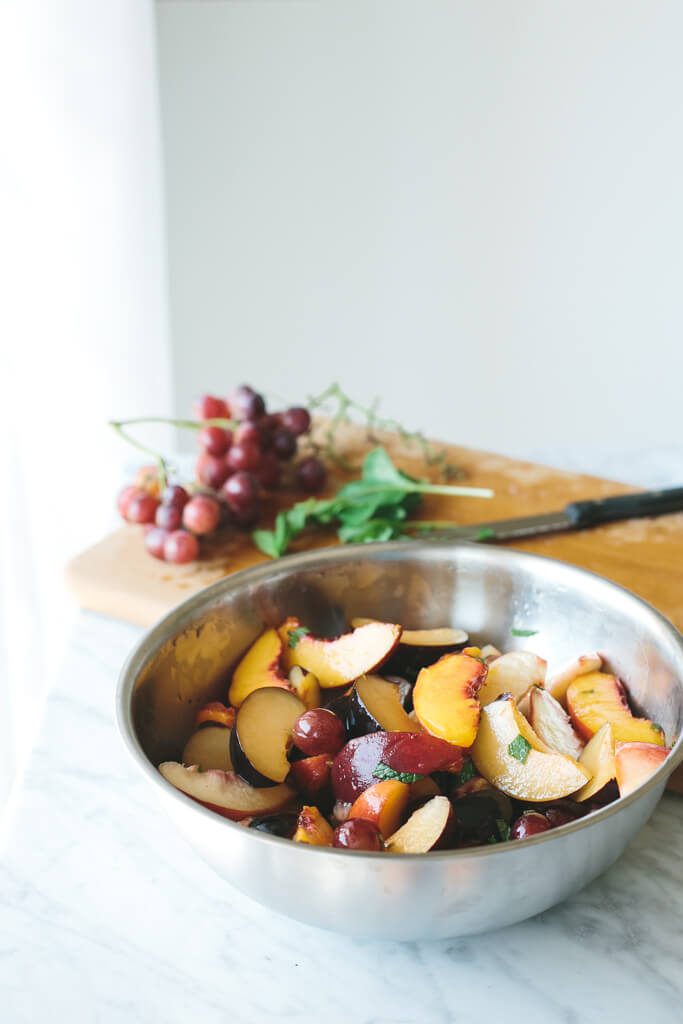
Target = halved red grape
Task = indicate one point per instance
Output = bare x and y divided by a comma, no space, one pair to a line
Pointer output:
284,443
201,514
297,420
530,823
169,517
211,470
142,508
175,495
319,731
244,456
215,440
358,834
311,474
208,407
180,547
155,541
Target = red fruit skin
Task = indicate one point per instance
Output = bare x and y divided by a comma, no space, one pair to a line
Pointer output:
201,515
530,823
124,498
175,495
169,517
269,472
311,774
243,456
557,816
155,540
319,731
215,440
208,407
181,547
403,751
142,508
358,834
211,471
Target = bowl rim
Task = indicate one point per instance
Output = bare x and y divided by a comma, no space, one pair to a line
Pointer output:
319,557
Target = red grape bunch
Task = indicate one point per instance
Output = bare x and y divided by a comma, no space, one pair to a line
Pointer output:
244,450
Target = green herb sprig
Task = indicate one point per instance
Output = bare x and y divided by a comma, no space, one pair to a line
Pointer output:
383,772
374,508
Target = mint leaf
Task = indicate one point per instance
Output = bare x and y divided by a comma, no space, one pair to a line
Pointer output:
294,636
265,541
486,533
383,771
523,632
503,829
379,469
467,772
519,748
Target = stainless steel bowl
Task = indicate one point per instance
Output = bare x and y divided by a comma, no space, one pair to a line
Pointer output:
186,658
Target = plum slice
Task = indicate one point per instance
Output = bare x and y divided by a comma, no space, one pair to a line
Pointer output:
262,735
376,704
226,792
413,753
428,828
209,747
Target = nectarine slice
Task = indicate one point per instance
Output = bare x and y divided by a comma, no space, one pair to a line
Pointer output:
428,828
215,713
441,636
598,759
226,792
209,748
581,666
312,828
340,661
512,673
511,757
551,723
413,753
262,735
259,667
306,687
635,763
599,697
376,704
445,698
383,804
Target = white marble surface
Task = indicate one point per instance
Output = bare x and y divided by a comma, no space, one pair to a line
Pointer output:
107,916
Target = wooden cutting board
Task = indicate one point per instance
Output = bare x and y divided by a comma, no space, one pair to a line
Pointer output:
116,576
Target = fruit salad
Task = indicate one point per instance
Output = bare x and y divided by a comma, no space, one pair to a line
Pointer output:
396,740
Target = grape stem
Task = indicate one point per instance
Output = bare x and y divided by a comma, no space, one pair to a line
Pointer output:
162,464
346,405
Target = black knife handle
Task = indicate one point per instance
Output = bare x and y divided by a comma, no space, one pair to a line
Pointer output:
583,514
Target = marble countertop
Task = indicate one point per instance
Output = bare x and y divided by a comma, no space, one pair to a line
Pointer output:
108,916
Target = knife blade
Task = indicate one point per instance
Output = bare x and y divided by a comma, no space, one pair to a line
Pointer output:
577,515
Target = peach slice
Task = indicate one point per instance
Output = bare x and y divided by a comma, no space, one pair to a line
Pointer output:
509,754
216,713
259,667
312,828
428,828
209,748
581,666
306,687
441,636
226,792
635,763
512,673
598,759
551,723
599,697
262,735
376,704
340,661
445,698
383,804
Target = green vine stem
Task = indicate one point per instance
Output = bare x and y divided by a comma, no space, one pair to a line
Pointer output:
163,466
343,406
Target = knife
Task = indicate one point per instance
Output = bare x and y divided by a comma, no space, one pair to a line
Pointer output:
577,515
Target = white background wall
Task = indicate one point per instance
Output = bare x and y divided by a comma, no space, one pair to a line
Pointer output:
471,208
